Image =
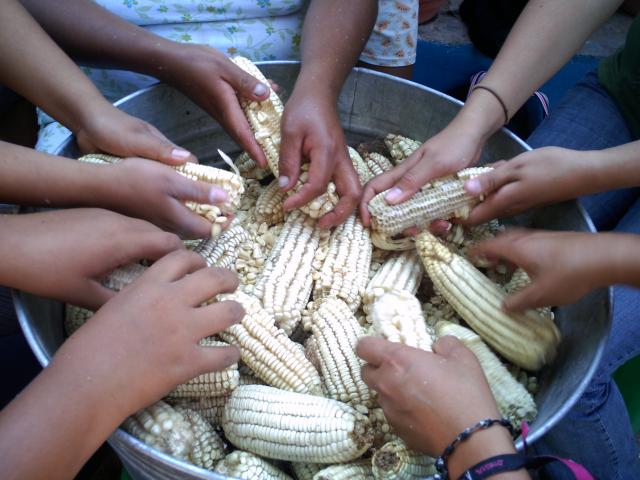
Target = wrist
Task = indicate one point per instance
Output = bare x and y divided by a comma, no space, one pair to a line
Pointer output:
314,82
482,115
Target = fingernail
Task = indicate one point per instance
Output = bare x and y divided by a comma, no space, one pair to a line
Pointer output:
260,89
448,227
283,181
393,194
217,195
473,186
180,154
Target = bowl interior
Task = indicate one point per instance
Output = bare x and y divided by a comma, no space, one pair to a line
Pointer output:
371,105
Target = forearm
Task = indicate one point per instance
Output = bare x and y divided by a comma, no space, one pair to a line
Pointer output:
333,36
619,261
32,65
612,168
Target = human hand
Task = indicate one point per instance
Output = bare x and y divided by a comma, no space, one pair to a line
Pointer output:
213,82
104,128
144,341
311,132
456,147
63,254
536,178
145,189
563,266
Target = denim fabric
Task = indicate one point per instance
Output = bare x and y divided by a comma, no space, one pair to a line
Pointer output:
597,431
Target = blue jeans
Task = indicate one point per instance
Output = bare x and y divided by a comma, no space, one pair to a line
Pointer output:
597,431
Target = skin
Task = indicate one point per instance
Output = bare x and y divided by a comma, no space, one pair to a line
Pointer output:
546,35
33,66
134,350
135,187
564,266
427,409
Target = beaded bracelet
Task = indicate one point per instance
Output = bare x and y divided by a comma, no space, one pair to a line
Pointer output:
441,461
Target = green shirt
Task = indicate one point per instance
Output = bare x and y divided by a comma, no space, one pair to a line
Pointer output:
619,74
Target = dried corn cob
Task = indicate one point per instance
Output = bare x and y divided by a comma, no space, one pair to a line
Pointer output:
269,205
347,471
527,339
212,384
306,471
444,198
223,251
207,446
400,147
291,426
270,354
264,118
394,461
285,284
345,269
360,166
247,466
163,428
382,431
514,401
123,276
249,169
336,332
210,408
397,316
377,163
401,271
74,318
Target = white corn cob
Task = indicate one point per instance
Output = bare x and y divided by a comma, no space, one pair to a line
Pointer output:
74,318
223,251
345,269
360,166
306,471
514,401
249,169
266,349
382,431
269,204
444,198
401,271
377,163
527,339
264,118
336,332
347,471
394,461
211,384
291,426
397,316
123,276
163,428
207,447
286,281
247,466
400,147
211,408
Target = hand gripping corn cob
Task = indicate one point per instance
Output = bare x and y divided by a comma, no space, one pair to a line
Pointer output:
306,471
211,384
382,431
514,401
269,205
264,118
230,182
286,281
207,447
400,147
74,318
346,471
336,333
397,316
345,269
291,426
394,461
400,271
527,339
266,349
247,466
444,198
223,251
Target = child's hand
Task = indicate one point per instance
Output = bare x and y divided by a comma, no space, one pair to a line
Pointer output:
428,398
144,341
311,132
107,129
536,178
563,266
154,192
64,254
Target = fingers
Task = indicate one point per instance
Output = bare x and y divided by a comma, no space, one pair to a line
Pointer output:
376,185
217,317
488,183
290,160
371,375
320,171
199,192
206,283
150,246
216,358
374,350
176,265
503,247
244,84
530,297
348,188
415,178
186,223
152,144
94,295
447,346
440,228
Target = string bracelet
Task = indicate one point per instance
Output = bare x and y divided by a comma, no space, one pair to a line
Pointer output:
495,94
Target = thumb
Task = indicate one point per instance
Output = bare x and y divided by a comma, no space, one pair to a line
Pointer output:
157,147
448,346
246,85
413,180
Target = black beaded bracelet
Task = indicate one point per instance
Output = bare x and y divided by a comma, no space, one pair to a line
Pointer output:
441,461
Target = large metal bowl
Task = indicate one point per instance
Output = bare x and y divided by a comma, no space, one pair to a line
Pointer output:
370,105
